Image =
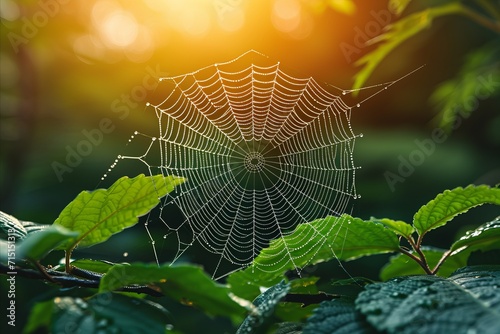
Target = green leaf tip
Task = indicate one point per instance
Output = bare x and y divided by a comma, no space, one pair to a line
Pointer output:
99,214
397,226
451,203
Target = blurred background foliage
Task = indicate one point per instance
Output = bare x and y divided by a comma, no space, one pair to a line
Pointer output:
67,65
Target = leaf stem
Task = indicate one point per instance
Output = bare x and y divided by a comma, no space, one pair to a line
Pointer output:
441,261
67,260
420,259
42,270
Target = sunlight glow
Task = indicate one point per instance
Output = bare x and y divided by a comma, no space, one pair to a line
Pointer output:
120,28
287,16
117,27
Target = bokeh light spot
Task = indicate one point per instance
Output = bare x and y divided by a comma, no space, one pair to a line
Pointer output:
286,15
120,28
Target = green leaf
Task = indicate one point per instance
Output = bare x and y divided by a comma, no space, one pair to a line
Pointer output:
185,283
398,6
37,245
402,265
398,32
466,302
398,226
265,304
99,214
478,79
485,237
451,203
96,266
342,238
40,316
298,311
108,313
337,316
11,226
18,229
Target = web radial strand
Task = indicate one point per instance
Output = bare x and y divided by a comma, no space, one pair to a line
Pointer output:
262,150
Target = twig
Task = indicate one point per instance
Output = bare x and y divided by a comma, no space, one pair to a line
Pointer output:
66,280
441,261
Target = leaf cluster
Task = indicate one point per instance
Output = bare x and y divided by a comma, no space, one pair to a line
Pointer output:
264,297
479,75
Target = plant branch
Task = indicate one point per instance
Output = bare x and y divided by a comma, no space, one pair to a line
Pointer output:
419,259
441,261
66,280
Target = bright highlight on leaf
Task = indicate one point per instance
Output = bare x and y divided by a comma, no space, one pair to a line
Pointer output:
341,238
485,237
451,203
97,215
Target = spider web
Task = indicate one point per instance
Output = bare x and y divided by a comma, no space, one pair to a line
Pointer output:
262,151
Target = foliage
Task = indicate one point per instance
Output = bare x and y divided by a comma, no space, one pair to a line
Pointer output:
410,296
479,73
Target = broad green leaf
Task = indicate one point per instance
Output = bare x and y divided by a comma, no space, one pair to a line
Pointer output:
37,245
185,283
398,6
466,302
341,238
451,203
39,317
337,316
265,305
96,266
478,79
402,265
398,32
485,237
99,214
108,313
398,226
